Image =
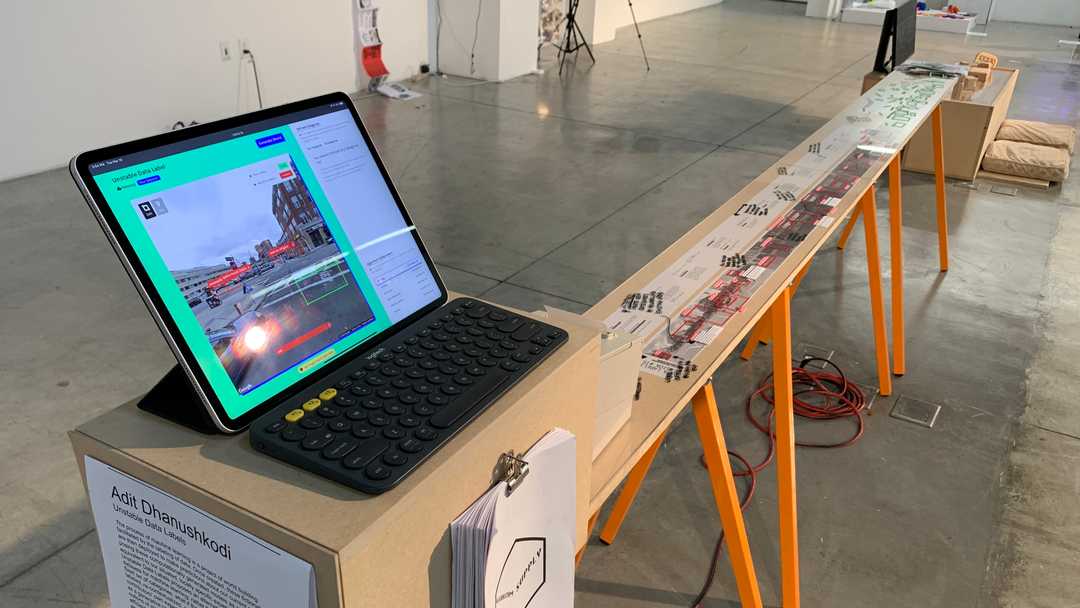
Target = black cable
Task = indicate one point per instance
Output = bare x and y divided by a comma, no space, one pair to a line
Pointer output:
476,37
255,71
438,35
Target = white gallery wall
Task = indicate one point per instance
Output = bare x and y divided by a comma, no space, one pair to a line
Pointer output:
1044,12
600,18
79,75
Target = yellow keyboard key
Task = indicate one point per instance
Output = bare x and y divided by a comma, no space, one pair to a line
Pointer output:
294,415
328,394
311,405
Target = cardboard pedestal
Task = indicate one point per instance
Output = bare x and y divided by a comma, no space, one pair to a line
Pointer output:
387,550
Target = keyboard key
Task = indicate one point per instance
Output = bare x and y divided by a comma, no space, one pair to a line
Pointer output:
362,430
329,411
487,361
398,348
416,353
440,336
447,416
317,441
423,333
371,366
475,331
403,362
429,345
360,391
375,380
486,324
345,401
542,341
428,364
312,422
294,415
453,330
411,340
386,393
356,414
440,356
511,366
473,352
449,370
410,446
390,371
508,344
462,361
424,409
495,335
368,451
436,378
328,394
509,326
477,312
451,389
435,325
464,321
498,353
409,421
484,344
498,315
344,383
465,339
360,373
525,332
395,459
386,357
446,318
464,380
475,370
535,350
311,405
293,433
339,426
425,433
276,426
394,409
521,357
377,472
408,398
377,419
451,347
393,432
468,304
415,374
339,449
423,388
371,404
437,399
401,383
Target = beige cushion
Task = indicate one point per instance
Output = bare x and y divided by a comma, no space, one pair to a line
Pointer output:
1046,134
1027,160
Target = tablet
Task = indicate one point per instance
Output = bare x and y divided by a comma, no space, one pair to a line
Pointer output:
270,248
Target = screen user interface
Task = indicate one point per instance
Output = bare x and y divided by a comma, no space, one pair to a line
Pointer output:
276,247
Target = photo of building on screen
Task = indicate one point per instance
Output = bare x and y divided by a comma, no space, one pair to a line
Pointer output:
271,288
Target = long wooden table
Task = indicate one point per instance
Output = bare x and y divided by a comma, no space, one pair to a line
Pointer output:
767,312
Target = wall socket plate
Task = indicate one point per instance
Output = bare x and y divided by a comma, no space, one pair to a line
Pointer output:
225,49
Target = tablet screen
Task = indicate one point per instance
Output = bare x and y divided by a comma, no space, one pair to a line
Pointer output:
276,248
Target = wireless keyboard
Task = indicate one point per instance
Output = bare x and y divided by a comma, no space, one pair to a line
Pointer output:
376,420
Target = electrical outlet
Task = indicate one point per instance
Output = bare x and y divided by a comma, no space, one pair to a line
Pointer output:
226,50
243,45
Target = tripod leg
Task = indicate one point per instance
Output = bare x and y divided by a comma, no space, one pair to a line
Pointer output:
641,41
583,42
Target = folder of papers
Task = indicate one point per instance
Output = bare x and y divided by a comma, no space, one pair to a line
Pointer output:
514,546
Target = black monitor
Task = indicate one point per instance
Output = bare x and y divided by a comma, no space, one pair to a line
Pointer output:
899,30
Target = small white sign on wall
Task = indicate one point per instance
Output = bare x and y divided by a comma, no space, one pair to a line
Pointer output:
161,552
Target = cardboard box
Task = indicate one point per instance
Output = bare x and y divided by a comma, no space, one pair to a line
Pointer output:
968,127
387,550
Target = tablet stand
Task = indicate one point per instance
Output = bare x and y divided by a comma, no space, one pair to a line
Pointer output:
174,399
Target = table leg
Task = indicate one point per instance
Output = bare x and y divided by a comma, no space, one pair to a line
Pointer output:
780,316
725,494
628,493
760,333
588,533
939,174
877,301
896,250
846,232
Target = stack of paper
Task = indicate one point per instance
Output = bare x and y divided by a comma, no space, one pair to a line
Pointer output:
516,549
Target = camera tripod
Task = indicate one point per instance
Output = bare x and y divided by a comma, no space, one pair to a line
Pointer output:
574,39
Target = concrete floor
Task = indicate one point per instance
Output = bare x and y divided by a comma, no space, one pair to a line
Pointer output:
548,191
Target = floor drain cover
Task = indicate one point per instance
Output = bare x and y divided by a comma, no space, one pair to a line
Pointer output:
805,350
918,412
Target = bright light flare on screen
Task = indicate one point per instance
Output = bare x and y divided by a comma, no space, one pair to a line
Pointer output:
256,338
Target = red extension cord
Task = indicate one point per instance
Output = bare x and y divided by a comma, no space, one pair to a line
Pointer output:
834,397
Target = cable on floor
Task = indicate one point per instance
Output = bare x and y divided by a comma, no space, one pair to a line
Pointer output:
817,395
